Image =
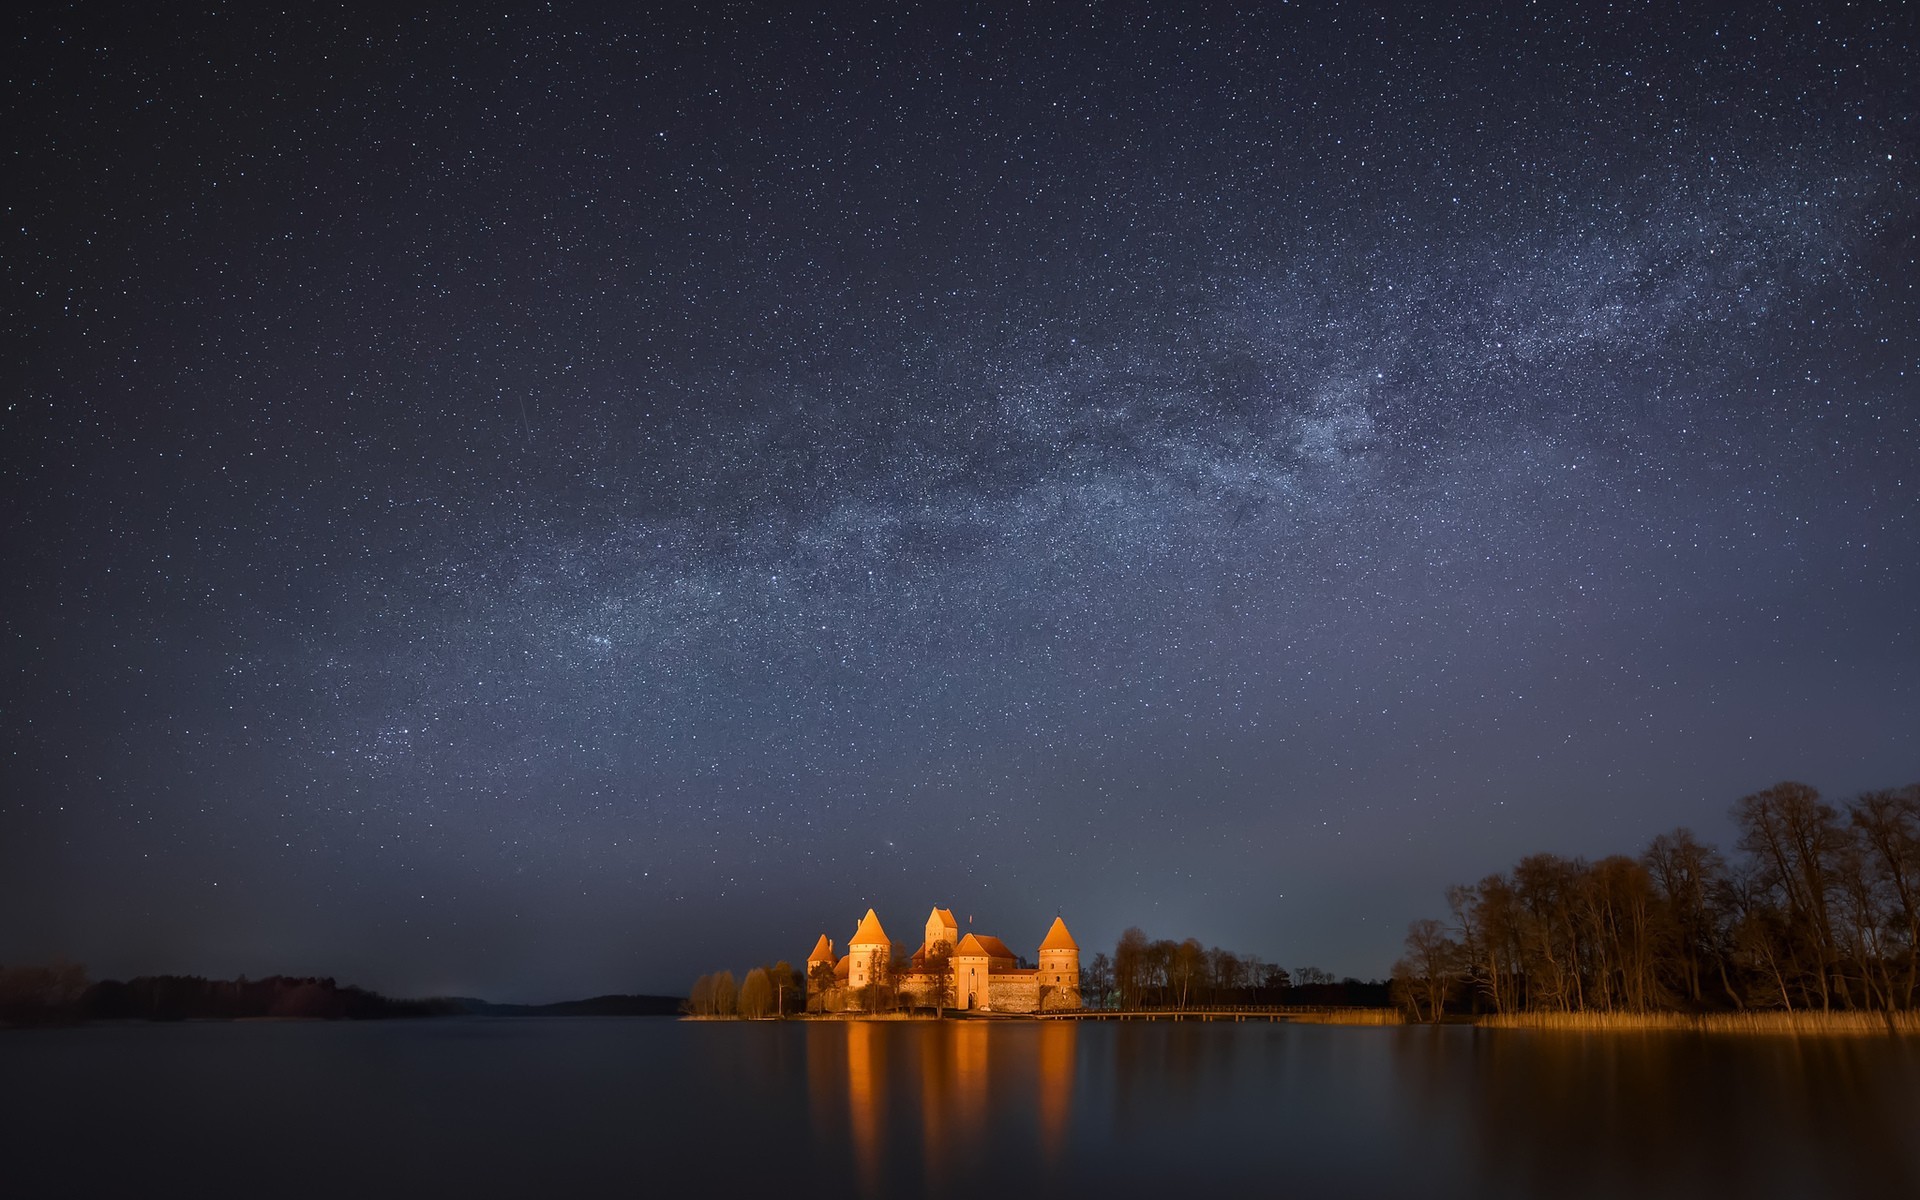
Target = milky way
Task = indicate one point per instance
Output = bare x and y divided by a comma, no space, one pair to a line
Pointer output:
561,501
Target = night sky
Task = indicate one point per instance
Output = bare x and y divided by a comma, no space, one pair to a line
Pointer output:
529,503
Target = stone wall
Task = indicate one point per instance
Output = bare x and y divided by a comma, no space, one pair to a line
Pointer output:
834,999
920,989
1059,997
1013,993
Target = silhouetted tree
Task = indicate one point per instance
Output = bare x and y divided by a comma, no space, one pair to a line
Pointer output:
32,994
789,988
1158,966
1795,839
1096,981
1186,964
1225,974
820,980
1686,878
1886,825
1130,967
1820,910
1429,970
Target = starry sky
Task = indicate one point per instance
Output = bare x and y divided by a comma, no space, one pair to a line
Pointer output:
537,501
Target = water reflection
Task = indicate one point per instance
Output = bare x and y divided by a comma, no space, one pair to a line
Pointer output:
879,1071
1057,1040
968,1107
1364,1112
1582,1115
866,1065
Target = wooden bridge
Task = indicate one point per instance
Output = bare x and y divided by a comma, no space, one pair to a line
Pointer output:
1305,1014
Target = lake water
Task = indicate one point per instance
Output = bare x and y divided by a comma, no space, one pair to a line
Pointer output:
530,1107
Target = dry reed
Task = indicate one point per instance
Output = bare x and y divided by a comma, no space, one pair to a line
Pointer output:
1771,1022
1351,1016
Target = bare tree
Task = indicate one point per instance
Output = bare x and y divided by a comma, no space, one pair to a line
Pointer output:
1096,980
756,995
939,965
787,986
1487,915
1546,888
881,993
1887,826
1158,964
1186,965
1225,975
1795,838
1820,909
1130,967
699,1000
1430,968
1686,875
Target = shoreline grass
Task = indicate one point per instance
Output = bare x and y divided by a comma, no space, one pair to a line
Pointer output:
1848,1024
1351,1016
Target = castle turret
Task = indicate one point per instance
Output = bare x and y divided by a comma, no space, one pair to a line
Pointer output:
1059,968
817,981
943,933
868,953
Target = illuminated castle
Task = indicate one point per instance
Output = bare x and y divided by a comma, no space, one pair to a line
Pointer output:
950,971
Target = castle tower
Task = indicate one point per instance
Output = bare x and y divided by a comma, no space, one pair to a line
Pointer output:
1059,968
943,932
971,962
868,953
822,953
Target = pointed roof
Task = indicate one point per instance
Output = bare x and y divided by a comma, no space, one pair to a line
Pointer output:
870,933
822,951
1058,938
993,947
945,917
979,945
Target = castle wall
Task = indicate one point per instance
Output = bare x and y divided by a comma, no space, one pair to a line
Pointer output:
1059,997
921,989
1014,993
970,983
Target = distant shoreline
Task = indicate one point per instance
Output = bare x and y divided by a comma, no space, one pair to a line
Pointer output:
59,994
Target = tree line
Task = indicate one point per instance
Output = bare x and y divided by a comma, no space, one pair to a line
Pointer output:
781,991
1147,973
1817,909
770,991
59,992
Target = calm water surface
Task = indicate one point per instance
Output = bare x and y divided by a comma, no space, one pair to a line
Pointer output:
505,1107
